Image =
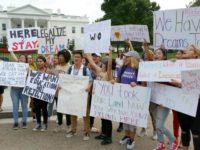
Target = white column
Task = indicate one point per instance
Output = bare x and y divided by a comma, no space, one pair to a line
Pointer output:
36,23
9,23
22,23
48,24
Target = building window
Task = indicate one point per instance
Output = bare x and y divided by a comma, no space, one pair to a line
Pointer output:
18,26
3,26
73,30
82,30
4,40
30,25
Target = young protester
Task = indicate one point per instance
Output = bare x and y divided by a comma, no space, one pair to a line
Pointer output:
162,114
79,69
32,66
104,74
148,55
128,75
17,97
41,105
64,57
188,123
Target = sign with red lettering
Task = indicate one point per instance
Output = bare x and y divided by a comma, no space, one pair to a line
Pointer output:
191,81
121,103
177,29
22,39
164,71
133,32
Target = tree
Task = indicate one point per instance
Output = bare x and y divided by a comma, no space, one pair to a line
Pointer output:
194,3
130,12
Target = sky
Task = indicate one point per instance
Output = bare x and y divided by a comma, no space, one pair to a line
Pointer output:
91,8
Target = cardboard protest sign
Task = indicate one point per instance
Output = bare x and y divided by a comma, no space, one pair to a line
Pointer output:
97,37
174,98
164,71
72,97
41,86
121,103
13,74
177,29
52,40
191,81
133,32
22,39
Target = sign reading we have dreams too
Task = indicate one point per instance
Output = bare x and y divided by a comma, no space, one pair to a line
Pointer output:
41,86
177,29
121,103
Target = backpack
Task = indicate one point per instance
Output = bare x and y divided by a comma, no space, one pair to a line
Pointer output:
84,70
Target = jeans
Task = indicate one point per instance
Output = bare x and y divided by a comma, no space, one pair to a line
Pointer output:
17,97
161,117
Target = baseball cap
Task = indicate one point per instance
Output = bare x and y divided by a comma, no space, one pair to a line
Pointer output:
96,54
133,54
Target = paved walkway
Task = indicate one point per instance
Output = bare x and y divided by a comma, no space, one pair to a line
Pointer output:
26,139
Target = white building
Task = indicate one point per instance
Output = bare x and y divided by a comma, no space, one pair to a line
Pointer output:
30,16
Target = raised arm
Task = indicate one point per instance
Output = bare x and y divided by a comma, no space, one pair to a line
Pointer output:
129,44
93,65
14,56
147,50
109,68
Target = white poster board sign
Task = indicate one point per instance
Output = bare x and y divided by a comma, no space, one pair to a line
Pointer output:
72,97
97,37
121,103
164,71
52,40
174,98
191,81
177,29
22,39
133,32
41,86
13,74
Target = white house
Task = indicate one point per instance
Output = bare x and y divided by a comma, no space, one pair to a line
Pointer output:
31,16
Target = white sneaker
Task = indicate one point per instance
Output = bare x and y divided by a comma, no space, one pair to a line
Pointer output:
37,127
142,133
130,144
154,137
71,134
44,128
68,129
124,140
86,137
57,129
94,130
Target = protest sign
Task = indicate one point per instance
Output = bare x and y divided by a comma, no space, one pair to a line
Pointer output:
41,86
72,97
177,29
97,37
191,81
133,32
174,98
121,103
13,74
52,40
164,71
23,39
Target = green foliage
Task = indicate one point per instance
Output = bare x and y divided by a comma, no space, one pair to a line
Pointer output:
194,3
130,12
